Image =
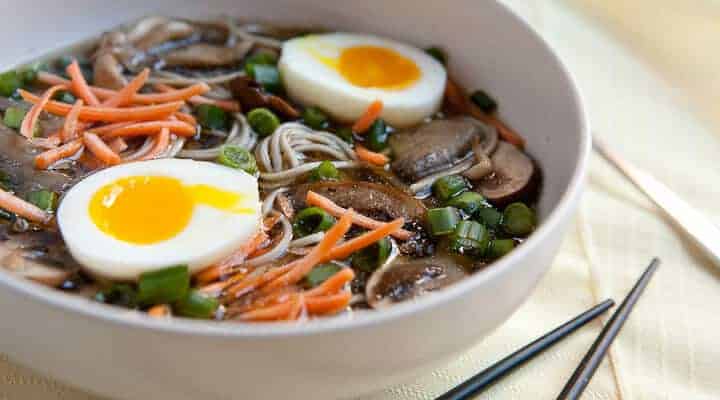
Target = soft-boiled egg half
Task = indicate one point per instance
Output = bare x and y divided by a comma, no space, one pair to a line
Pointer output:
139,217
343,73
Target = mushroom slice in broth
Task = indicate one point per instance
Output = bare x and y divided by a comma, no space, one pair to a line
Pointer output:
438,145
513,177
405,279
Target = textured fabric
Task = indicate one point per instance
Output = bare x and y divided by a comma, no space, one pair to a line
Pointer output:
643,83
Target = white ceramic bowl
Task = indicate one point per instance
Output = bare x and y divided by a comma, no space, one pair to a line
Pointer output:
126,355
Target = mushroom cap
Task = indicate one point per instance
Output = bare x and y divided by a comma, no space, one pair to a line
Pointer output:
512,178
438,145
406,279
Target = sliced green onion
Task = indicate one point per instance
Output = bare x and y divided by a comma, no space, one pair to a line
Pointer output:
10,81
468,202
312,220
119,294
500,247
266,76
237,157
442,221
262,58
377,136
489,217
320,274
13,117
29,75
65,97
438,54
345,133
44,199
263,121
315,118
166,285
326,171
469,238
470,230
484,101
211,116
518,219
196,304
63,61
372,257
449,186
85,66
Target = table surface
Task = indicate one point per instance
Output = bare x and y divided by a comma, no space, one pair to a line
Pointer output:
651,92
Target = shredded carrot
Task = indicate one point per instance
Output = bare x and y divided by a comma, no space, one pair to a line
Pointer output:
456,98
89,161
227,105
31,118
344,250
152,127
306,264
118,145
50,157
271,313
125,95
108,114
103,129
371,114
185,117
14,204
371,156
297,307
250,283
49,142
100,149
70,126
162,141
333,284
217,271
331,304
79,85
138,98
159,311
335,210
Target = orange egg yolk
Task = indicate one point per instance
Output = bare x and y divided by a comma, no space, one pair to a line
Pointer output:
377,67
151,209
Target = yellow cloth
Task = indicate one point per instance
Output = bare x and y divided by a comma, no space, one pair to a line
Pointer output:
641,65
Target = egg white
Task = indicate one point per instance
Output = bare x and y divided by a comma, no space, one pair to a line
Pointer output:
210,236
311,82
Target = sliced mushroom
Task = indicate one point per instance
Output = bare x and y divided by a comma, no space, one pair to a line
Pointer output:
107,70
207,55
437,145
406,279
17,165
372,199
17,263
39,256
251,95
512,178
158,30
483,167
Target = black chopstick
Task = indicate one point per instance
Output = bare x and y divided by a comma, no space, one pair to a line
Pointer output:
503,367
585,371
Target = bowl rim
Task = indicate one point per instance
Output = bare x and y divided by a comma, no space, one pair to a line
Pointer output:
188,327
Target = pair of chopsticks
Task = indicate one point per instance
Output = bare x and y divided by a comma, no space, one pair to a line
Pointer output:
589,364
